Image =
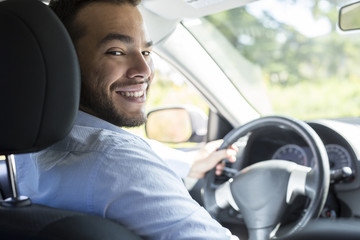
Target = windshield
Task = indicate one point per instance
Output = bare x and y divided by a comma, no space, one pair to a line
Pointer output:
286,57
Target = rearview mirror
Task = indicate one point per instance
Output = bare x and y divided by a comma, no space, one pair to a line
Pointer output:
177,124
349,17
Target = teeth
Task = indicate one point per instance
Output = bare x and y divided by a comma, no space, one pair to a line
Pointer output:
133,94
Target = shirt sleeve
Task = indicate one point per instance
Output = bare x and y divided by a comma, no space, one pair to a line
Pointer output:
180,162
141,192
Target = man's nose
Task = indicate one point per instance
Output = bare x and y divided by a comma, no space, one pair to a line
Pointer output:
140,67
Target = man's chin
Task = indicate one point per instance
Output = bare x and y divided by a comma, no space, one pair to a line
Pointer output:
128,120
133,122
119,118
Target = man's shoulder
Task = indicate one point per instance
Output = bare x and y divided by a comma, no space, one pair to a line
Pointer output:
84,138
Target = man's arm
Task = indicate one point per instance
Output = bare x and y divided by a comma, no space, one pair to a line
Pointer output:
195,164
140,191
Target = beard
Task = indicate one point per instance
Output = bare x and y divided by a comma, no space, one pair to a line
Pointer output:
99,104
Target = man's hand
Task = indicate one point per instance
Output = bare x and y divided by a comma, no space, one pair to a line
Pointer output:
207,158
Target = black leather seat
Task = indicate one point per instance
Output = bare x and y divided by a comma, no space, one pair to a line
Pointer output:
39,95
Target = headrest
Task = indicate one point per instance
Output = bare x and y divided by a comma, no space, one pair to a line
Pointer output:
39,77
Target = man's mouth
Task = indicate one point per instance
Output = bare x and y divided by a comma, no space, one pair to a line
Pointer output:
133,94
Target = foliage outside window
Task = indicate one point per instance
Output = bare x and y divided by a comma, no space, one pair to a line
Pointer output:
310,69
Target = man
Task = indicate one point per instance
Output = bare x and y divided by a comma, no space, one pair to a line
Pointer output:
100,168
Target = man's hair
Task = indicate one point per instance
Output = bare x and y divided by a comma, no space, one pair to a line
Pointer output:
66,10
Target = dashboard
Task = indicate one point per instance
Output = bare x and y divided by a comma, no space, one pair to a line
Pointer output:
341,138
339,156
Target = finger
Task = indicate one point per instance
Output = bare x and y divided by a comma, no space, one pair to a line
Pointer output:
218,172
217,156
213,145
219,168
231,155
234,147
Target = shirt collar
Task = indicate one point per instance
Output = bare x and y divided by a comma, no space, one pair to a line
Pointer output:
88,120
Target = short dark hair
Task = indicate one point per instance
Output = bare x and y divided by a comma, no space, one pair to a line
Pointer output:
66,11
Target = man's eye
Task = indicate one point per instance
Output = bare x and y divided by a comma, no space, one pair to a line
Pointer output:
146,53
115,53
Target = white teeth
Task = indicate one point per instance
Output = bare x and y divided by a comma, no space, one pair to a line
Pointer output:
133,94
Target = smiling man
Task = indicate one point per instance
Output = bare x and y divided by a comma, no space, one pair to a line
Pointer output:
99,168
115,63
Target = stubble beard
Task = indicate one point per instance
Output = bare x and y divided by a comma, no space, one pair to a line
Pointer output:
98,103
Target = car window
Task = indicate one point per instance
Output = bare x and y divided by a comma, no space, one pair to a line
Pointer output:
286,49
171,88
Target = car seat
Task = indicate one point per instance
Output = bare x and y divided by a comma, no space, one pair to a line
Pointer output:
39,97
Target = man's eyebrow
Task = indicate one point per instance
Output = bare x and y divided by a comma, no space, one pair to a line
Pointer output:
123,38
116,36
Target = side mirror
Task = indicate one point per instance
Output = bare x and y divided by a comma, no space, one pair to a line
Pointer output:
178,124
349,17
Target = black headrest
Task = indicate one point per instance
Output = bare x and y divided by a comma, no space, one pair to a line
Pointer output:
39,77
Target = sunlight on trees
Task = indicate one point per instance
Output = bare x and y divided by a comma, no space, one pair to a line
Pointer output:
313,71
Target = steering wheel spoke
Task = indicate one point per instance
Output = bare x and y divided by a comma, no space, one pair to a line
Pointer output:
224,197
297,183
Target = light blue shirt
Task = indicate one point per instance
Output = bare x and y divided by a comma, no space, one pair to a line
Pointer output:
180,162
103,170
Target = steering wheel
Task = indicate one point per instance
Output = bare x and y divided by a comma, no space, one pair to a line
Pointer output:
262,191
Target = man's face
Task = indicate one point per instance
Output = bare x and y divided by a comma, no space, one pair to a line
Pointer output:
115,64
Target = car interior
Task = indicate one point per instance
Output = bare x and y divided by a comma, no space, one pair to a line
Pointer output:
40,88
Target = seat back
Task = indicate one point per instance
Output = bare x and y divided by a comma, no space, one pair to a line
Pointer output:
39,97
40,78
